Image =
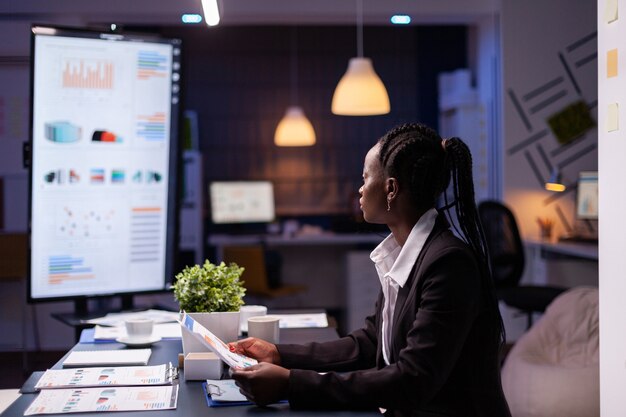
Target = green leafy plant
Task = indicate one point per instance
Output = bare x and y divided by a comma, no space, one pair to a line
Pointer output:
209,288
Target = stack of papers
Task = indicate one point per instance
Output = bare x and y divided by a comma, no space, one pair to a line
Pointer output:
84,390
163,330
297,321
117,319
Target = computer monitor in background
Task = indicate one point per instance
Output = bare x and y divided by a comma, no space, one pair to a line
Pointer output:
587,196
242,202
103,168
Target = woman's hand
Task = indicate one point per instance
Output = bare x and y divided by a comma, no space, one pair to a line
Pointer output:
256,348
263,383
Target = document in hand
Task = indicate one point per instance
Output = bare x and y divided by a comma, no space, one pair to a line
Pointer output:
214,343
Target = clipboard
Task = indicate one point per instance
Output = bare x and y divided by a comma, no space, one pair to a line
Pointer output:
210,392
213,390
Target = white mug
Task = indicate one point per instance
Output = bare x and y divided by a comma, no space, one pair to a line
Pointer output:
139,328
245,312
264,327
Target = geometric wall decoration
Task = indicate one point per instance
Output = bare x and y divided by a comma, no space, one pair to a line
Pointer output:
542,110
571,122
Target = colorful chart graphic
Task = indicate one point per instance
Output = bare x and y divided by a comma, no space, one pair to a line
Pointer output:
96,175
153,177
151,64
85,222
67,268
151,127
73,402
105,396
57,177
77,378
145,234
61,176
118,176
147,176
62,132
104,136
88,73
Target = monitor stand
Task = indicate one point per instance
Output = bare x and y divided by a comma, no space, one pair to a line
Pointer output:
81,309
81,313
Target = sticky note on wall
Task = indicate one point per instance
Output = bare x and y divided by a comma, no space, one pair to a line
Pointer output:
611,63
610,11
612,117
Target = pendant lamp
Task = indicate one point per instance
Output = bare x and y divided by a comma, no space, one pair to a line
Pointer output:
294,129
360,91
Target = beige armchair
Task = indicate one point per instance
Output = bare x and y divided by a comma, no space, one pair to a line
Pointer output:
553,369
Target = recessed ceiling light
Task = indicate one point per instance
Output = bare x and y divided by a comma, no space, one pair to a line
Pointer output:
191,18
400,19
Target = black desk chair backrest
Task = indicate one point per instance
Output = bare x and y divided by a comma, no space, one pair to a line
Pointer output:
506,255
503,242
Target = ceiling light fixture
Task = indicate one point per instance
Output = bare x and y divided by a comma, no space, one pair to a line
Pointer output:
191,18
294,129
400,19
211,12
360,91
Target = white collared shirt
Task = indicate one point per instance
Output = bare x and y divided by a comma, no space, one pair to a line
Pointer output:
394,264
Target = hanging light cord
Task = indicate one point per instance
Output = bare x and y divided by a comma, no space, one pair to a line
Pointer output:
359,28
294,66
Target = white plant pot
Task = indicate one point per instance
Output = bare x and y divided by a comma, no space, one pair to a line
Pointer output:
224,325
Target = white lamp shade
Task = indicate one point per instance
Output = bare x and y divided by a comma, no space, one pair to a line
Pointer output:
360,91
294,129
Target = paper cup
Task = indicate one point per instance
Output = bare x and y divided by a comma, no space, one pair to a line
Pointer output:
264,327
245,312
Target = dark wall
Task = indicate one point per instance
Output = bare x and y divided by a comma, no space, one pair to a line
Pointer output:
237,79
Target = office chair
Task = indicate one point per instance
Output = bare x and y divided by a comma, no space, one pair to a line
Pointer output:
262,271
506,255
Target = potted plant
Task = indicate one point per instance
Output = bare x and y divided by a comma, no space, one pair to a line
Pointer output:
212,295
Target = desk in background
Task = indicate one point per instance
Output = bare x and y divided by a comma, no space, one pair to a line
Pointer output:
586,250
333,240
567,264
191,400
335,268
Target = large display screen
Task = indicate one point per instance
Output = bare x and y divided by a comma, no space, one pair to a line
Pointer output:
103,164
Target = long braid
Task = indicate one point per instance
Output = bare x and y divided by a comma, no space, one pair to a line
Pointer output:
417,156
460,165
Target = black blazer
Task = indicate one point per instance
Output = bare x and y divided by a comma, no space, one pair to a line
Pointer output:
441,364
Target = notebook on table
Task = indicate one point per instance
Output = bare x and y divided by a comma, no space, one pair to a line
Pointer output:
119,357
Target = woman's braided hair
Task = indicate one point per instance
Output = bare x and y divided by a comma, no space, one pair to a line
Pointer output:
416,155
